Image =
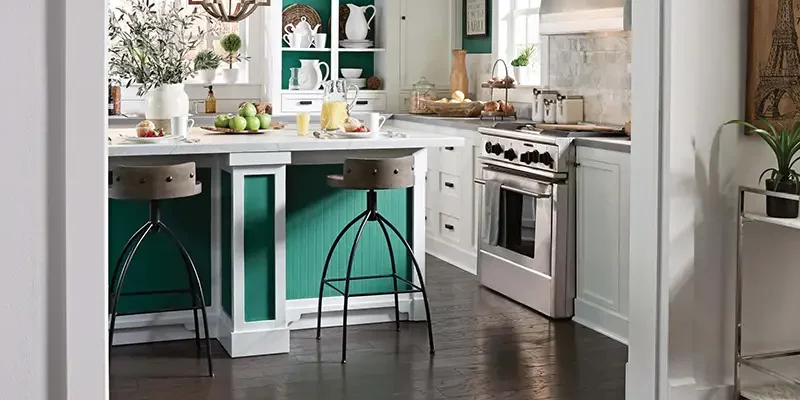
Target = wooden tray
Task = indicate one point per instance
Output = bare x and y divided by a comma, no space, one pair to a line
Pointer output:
275,126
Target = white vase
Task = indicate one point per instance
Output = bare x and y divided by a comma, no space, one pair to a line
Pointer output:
357,25
165,102
208,75
231,75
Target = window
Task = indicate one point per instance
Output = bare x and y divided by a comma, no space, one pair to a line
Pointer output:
214,29
517,23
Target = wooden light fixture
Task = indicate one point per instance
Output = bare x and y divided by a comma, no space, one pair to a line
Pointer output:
230,10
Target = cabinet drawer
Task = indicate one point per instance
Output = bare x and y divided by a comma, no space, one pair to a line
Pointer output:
301,103
449,184
450,160
370,102
449,228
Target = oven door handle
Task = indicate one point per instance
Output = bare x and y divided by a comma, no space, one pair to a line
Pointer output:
520,191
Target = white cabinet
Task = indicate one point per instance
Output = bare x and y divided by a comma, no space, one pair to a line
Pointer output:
425,41
602,240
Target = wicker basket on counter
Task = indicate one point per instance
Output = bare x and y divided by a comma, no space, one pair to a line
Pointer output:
472,109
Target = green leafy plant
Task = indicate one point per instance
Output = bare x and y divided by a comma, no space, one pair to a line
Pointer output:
785,143
524,57
206,59
151,47
231,43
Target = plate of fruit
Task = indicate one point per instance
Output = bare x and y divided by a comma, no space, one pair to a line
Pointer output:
246,121
146,132
353,129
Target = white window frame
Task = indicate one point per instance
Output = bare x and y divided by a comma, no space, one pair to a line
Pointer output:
542,50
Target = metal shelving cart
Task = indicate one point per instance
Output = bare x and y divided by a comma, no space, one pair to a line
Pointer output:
789,386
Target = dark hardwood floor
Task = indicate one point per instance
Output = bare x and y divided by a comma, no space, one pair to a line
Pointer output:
487,347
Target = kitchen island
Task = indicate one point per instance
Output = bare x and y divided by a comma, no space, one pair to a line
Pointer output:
259,234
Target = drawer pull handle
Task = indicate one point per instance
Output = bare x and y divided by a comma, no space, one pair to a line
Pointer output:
305,102
449,148
449,184
448,227
362,102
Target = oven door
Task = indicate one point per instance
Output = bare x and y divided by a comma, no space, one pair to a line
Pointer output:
520,264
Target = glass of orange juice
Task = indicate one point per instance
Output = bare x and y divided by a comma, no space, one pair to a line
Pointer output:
303,121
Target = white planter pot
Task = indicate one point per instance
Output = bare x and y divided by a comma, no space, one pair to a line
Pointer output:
166,102
208,75
230,75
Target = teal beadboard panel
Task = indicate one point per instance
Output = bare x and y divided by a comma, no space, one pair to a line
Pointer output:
226,225
259,248
365,61
291,59
316,213
157,264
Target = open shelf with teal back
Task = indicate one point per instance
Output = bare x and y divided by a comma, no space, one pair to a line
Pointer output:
363,60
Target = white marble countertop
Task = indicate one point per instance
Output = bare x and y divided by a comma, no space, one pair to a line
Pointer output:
285,140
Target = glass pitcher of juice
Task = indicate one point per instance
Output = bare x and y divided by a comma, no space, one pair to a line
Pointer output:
335,107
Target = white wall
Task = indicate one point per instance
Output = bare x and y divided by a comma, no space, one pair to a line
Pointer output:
53,203
705,62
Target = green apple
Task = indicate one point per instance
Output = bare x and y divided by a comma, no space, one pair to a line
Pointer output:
265,120
238,124
253,124
221,121
247,110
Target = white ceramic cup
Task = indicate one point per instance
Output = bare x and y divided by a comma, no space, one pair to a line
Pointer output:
320,40
297,40
375,122
181,125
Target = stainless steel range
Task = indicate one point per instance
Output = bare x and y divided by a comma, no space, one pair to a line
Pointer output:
531,257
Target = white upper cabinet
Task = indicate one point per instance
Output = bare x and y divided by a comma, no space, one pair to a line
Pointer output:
426,41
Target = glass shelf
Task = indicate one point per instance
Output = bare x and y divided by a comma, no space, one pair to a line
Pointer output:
783,372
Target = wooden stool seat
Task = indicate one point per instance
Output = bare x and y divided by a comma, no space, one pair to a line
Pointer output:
375,174
154,182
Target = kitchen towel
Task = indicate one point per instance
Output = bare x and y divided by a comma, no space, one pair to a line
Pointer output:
491,212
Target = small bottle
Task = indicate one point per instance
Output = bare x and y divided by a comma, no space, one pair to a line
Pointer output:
211,101
110,98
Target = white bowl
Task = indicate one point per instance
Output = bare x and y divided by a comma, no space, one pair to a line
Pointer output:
351,73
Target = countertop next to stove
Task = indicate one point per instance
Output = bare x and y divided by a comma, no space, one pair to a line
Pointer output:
622,145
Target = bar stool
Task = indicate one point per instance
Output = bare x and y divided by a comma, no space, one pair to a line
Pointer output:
372,175
156,183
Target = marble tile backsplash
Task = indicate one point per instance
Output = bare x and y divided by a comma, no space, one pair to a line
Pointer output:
597,67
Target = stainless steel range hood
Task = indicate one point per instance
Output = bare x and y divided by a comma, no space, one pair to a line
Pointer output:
579,16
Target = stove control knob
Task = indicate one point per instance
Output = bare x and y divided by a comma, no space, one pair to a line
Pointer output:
510,155
525,157
488,147
535,157
546,159
497,149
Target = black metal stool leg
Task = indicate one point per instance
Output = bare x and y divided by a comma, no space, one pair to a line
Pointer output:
382,221
115,303
199,286
325,269
394,276
121,258
347,284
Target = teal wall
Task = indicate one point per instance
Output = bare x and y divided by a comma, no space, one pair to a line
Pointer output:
315,215
158,264
480,44
226,227
259,248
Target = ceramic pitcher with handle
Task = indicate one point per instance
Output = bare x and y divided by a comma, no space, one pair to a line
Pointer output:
357,25
310,75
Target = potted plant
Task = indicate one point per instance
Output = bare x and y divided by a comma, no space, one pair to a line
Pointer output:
231,43
785,143
522,60
206,63
150,47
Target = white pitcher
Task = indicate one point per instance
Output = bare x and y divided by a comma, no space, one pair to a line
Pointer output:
357,26
310,74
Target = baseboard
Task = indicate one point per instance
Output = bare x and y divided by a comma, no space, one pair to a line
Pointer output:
601,320
160,327
452,254
247,343
302,313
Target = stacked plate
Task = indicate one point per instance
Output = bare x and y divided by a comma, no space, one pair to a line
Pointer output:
356,44
360,83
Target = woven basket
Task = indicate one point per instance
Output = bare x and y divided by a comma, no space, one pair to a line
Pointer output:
293,13
472,109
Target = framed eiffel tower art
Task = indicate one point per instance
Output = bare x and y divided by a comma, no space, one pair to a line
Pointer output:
773,70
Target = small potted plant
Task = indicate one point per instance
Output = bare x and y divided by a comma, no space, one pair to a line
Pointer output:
785,143
522,60
232,43
206,63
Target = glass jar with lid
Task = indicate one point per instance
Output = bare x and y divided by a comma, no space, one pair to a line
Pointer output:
423,91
